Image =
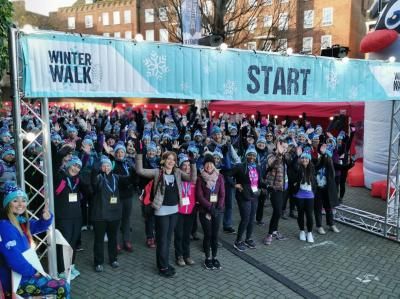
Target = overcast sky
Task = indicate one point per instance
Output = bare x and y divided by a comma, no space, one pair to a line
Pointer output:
44,6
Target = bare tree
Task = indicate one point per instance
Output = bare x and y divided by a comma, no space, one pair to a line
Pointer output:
236,21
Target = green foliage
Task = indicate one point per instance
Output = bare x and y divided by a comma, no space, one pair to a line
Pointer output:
6,14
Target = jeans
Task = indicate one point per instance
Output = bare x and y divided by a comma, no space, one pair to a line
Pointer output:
100,229
183,229
305,206
165,226
210,231
277,203
227,221
322,200
71,231
247,210
125,232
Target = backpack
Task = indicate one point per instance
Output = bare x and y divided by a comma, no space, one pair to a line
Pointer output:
147,195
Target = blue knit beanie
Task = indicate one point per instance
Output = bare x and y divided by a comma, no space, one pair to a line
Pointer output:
105,160
182,158
11,192
251,150
120,146
73,161
216,130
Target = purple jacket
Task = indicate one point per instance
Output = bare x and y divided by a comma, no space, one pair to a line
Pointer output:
203,194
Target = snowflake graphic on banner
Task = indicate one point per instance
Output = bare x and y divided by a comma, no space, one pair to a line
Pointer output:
184,86
332,79
156,65
229,88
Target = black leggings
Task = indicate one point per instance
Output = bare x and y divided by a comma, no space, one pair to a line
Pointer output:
322,200
210,230
277,203
305,206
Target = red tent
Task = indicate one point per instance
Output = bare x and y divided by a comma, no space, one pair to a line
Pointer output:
318,110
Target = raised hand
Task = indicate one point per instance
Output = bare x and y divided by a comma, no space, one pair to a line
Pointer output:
46,213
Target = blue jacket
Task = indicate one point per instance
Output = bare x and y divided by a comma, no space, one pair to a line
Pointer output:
12,245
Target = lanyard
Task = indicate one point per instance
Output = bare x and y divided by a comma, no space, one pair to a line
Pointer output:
70,184
112,190
186,188
213,188
126,167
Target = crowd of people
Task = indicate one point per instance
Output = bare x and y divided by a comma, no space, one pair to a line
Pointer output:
185,169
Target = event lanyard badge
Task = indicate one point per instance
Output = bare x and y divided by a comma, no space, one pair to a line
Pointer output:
73,197
213,195
185,198
113,200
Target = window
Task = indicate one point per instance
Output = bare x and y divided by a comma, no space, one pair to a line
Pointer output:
89,21
268,21
150,35
252,3
127,17
282,44
326,41
164,35
284,1
106,34
267,2
230,28
308,19
327,16
252,24
209,8
283,22
149,15
106,20
231,6
71,22
116,18
88,1
268,45
252,45
162,14
117,34
128,34
307,45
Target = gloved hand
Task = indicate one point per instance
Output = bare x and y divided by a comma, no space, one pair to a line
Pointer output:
138,146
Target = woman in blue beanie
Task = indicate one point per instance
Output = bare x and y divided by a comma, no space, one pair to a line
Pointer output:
16,231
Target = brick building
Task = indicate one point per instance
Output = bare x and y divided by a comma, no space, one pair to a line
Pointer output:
307,26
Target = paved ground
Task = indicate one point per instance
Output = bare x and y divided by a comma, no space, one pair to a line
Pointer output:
352,264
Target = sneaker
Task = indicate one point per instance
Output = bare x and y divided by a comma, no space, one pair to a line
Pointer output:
189,261
302,235
334,229
250,243
323,212
310,238
99,268
172,269
105,238
216,264
115,264
166,273
321,230
128,247
239,246
180,262
278,236
229,230
84,228
74,272
267,240
150,243
208,264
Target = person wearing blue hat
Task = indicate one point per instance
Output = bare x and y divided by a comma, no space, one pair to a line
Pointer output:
304,194
345,161
5,136
7,166
248,186
326,193
123,168
262,154
106,212
72,136
16,230
67,208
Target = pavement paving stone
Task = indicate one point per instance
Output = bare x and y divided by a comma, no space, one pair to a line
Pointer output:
332,267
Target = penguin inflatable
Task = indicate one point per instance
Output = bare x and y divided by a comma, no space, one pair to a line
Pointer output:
382,44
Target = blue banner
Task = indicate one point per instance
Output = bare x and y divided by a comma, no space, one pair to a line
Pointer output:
65,65
191,22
